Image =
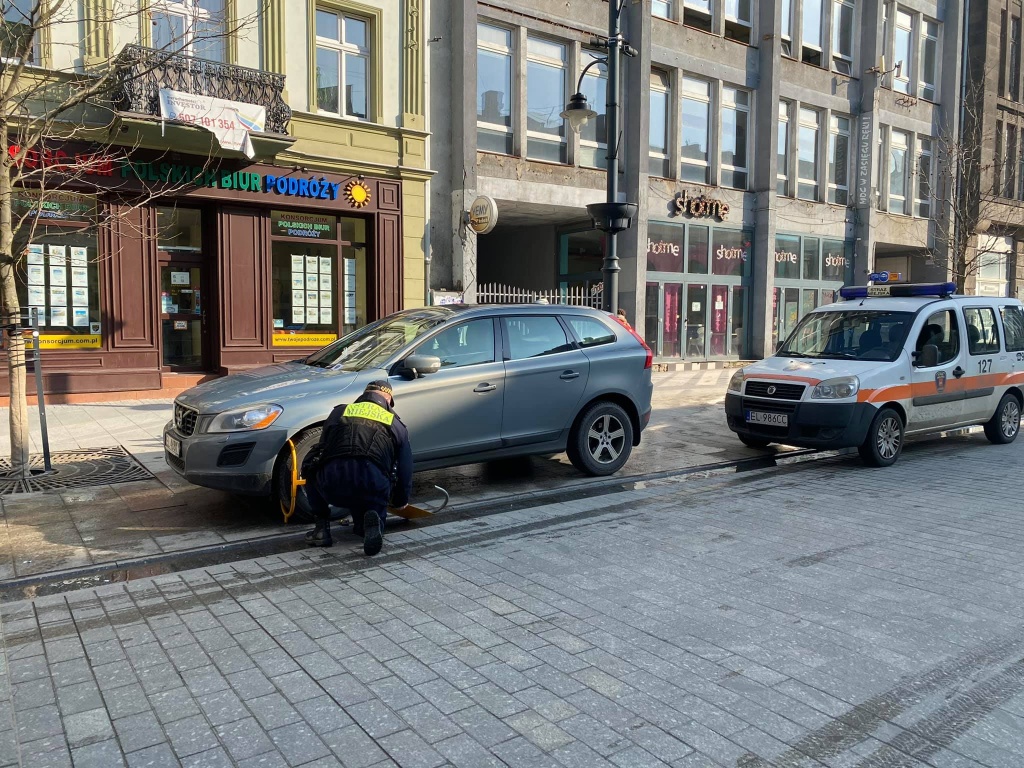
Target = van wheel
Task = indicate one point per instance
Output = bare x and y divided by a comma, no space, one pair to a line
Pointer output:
884,442
601,441
1003,427
283,476
753,442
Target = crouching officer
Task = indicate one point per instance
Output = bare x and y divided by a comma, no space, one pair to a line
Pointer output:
363,462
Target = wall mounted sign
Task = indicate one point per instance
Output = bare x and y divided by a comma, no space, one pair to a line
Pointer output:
357,194
701,206
299,339
229,121
305,225
54,204
864,147
786,257
483,215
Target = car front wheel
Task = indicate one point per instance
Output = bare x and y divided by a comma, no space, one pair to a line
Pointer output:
1003,427
884,441
602,440
283,475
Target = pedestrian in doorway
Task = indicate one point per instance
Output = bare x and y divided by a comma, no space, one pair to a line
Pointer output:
363,462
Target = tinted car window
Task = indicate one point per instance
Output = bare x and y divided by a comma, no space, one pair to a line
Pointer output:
982,335
1013,325
470,343
534,336
591,332
942,331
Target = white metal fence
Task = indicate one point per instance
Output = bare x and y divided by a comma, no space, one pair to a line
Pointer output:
498,293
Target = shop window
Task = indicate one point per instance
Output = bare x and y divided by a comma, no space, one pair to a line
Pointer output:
923,186
696,130
661,8
535,336
665,247
16,31
197,29
982,332
697,14
835,263
839,160
807,155
1013,326
898,145
738,20
343,64
782,150
731,252
354,270
842,36
179,230
698,245
902,42
545,101
593,149
734,137
993,256
658,146
811,259
787,257
811,36
929,68
59,278
787,27
494,89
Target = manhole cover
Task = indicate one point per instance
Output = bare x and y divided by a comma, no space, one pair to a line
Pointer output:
75,469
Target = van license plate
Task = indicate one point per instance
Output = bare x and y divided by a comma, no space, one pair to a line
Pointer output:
173,446
768,419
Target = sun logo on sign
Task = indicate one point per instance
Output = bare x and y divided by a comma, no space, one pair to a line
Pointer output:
357,194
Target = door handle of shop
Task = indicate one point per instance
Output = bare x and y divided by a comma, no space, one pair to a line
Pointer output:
958,371
569,375
485,388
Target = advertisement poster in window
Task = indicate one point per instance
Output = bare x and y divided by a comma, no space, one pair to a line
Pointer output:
79,256
80,277
80,317
36,274
58,316
35,254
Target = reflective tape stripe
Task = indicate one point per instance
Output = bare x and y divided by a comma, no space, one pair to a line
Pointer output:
370,411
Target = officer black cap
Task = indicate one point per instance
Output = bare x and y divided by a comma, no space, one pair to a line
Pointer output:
380,386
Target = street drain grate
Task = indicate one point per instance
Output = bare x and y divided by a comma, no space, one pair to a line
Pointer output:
75,469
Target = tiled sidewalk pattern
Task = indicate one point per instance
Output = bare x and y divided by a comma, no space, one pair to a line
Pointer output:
822,615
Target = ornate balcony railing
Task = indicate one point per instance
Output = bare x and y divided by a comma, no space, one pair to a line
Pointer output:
145,71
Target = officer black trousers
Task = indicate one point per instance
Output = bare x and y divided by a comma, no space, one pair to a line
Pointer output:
331,486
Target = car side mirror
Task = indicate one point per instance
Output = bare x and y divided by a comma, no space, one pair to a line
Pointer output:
928,357
415,366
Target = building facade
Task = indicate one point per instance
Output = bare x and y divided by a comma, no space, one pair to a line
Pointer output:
159,252
777,149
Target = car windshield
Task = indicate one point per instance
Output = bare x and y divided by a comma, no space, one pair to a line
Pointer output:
372,346
849,335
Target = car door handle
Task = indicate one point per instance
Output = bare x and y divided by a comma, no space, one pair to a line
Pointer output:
958,371
485,387
568,375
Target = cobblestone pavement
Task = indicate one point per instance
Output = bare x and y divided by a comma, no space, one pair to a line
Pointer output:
818,614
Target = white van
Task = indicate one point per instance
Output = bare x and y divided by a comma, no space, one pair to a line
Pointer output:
888,361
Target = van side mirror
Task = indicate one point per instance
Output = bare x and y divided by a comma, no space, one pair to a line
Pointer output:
415,366
928,357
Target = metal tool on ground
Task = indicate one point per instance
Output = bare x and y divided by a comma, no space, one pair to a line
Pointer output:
411,512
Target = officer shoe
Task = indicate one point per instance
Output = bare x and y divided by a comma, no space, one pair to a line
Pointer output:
373,536
319,537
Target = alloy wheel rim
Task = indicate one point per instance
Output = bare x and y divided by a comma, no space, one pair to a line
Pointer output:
606,439
888,440
1010,421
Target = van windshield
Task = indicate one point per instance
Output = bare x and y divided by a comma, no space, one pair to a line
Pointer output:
374,345
849,335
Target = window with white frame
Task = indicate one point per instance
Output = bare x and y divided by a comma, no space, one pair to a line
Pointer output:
193,28
782,150
734,137
839,160
807,154
658,145
811,38
661,8
898,148
494,56
787,27
593,134
545,100
923,185
738,20
842,36
16,30
342,64
901,51
696,130
929,68
697,14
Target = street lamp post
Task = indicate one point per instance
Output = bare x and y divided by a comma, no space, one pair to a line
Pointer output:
612,216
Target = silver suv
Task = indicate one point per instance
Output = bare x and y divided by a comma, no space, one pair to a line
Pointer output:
472,383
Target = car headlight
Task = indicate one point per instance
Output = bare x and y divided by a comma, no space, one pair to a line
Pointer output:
246,419
836,389
736,382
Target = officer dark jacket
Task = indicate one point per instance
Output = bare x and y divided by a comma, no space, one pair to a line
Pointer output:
363,446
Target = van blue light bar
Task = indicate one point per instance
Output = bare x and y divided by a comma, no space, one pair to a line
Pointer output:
898,290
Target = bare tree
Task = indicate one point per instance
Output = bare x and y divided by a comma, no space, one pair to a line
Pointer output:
38,109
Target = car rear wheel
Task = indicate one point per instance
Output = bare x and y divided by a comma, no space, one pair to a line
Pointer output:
884,442
753,442
1004,426
602,440
283,476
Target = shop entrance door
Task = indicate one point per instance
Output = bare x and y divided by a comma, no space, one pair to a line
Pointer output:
183,315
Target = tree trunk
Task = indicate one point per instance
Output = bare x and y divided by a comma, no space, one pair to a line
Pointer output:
12,321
